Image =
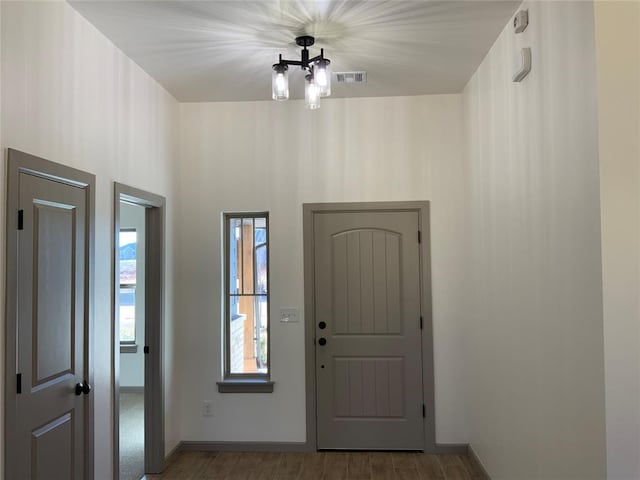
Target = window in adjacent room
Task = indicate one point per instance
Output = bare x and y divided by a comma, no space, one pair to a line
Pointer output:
246,321
127,294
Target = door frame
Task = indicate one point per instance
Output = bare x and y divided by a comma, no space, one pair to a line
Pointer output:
422,209
154,457
20,162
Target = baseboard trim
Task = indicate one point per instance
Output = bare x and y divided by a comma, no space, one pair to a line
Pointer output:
244,446
451,448
131,389
171,456
473,456
191,445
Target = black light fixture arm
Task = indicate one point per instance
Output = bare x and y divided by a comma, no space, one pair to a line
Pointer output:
305,63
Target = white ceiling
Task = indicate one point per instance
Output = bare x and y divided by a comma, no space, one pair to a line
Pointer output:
223,50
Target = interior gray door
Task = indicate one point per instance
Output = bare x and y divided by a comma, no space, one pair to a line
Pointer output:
49,439
368,337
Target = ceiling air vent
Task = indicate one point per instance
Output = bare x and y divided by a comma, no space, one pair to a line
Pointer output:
351,77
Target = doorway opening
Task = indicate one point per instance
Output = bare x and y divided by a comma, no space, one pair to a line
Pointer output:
137,333
131,273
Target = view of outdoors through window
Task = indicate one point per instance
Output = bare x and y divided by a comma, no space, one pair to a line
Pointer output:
127,296
247,295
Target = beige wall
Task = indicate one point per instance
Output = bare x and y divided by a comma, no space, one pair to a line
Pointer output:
250,156
534,326
617,27
70,96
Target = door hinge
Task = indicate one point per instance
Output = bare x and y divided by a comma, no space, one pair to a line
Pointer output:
421,322
20,219
424,411
419,236
19,383
146,349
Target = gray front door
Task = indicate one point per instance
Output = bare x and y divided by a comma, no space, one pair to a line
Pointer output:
47,438
368,337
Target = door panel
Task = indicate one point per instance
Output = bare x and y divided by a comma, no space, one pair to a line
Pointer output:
367,291
51,317
54,239
366,282
368,387
52,449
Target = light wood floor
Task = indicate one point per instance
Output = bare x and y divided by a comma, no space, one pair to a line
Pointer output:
318,466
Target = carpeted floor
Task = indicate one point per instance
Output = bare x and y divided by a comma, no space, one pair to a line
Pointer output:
131,436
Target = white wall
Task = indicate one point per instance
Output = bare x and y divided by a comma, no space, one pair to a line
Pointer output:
132,364
534,296
70,96
617,27
277,156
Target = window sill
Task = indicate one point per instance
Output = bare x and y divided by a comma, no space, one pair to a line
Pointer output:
245,386
128,348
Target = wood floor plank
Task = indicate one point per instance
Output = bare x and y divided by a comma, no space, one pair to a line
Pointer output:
255,466
319,466
429,467
450,459
312,466
407,473
404,460
219,467
382,466
359,466
290,466
456,472
189,464
335,466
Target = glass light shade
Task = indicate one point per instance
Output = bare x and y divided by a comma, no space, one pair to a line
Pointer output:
311,93
322,75
279,82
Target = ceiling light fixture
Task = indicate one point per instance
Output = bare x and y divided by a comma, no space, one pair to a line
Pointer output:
317,78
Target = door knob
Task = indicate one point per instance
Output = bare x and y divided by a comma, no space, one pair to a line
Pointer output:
322,341
322,325
83,388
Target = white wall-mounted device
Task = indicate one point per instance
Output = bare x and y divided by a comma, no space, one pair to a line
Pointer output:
289,315
520,21
525,65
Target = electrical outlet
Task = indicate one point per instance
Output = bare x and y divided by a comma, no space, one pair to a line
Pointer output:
207,411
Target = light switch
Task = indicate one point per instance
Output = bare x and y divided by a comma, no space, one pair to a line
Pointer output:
289,315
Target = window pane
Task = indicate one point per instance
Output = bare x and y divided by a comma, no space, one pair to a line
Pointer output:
235,249
127,300
128,242
248,339
247,256
247,320
261,268
262,319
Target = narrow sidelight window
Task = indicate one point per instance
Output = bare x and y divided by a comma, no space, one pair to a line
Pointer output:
246,325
